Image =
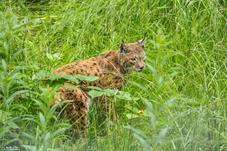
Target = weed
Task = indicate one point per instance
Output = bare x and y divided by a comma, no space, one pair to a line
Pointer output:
177,103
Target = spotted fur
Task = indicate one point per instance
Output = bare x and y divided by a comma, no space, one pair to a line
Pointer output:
110,67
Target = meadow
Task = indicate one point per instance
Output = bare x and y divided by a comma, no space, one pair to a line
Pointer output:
179,102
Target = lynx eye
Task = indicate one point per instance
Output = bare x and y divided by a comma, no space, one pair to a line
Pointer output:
133,59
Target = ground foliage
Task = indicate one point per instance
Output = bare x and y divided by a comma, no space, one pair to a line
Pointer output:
177,103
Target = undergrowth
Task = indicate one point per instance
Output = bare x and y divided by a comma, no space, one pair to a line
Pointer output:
177,103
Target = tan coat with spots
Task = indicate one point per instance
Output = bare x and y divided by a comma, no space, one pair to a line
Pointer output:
110,68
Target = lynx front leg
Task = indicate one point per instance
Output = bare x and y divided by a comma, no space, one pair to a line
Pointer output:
77,109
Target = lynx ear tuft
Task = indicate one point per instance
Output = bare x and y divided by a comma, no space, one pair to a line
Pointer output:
123,47
142,41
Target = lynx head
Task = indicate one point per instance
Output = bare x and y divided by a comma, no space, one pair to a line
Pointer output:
132,55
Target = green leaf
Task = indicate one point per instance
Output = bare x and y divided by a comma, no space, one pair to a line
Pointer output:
30,147
46,140
140,136
4,65
162,135
85,78
95,93
94,88
131,116
125,96
15,94
59,131
41,118
70,78
45,75
55,56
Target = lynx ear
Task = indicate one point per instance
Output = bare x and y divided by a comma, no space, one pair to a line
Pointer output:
123,47
142,41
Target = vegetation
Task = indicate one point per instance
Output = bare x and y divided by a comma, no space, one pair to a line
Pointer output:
180,98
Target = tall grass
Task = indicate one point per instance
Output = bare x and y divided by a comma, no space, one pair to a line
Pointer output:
182,92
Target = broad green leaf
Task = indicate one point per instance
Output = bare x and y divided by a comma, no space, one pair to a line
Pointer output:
44,75
95,93
85,78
